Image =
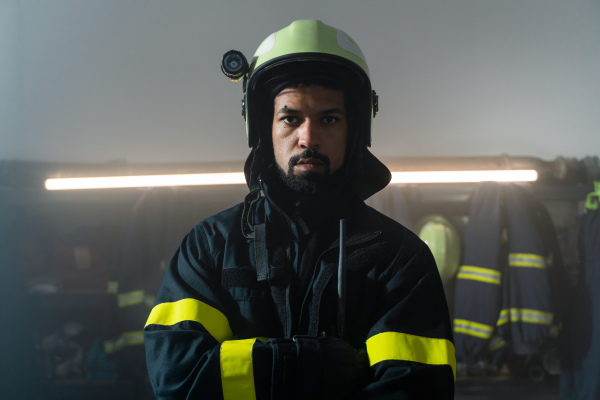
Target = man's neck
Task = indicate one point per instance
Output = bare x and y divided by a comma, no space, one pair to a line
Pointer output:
311,208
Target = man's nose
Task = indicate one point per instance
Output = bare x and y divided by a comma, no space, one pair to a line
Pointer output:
309,136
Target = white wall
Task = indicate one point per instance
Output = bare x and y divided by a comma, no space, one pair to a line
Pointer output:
98,80
9,127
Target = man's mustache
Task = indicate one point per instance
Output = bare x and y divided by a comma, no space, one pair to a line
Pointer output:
308,153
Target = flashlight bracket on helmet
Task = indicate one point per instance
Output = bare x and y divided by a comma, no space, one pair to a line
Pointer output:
234,65
375,103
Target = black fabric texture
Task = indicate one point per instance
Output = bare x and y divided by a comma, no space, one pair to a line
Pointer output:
580,356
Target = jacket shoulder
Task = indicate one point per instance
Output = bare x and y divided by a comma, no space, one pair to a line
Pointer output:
393,229
221,224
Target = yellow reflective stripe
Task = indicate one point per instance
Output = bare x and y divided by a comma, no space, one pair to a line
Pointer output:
526,260
525,315
112,287
473,328
503,318
496,343
133,338
402,346
237,374
486,275
130,298
213,320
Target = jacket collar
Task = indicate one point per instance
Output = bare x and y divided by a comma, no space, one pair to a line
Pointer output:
307,211
341,201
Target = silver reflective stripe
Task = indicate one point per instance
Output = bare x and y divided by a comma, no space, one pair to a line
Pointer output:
486,275
131,298
126,339
473,328
526,260
525,315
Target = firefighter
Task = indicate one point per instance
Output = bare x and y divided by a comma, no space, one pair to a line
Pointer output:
301,290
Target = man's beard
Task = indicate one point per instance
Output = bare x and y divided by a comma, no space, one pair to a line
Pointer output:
306,183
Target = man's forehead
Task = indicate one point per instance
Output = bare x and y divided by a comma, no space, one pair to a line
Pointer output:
307,88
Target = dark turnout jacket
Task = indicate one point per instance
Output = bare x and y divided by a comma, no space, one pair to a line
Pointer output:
254,314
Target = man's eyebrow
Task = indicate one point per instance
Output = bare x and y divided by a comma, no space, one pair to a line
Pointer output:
335,110
287,110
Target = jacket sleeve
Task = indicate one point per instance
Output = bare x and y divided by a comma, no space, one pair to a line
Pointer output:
410,346
191,351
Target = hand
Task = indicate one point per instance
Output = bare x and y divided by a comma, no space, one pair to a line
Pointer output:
317,367
345,369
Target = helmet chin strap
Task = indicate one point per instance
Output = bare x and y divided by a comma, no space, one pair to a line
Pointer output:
258,160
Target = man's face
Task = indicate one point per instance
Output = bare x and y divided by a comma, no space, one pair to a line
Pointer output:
310,132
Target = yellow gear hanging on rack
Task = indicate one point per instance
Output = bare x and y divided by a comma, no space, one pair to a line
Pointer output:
444,242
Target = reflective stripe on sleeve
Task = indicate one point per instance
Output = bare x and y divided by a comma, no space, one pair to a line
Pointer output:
130,298
402,346
237,375
526,260
525,315
213,320
486,275
133,338
134,297
495,343
472,328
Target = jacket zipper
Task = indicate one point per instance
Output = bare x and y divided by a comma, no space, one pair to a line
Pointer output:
290,254
354,243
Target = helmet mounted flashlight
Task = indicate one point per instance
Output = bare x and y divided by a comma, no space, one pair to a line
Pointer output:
234,65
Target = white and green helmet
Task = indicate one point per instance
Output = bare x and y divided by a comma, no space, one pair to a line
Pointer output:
304,49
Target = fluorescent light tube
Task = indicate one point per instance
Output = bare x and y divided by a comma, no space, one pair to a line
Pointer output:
237,178
525,175
109,182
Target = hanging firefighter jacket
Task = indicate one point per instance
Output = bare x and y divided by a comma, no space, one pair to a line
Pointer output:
506,286
255,317
478,289
580,358
159,219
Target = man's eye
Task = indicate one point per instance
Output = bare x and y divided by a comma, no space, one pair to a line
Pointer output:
290,120
329,119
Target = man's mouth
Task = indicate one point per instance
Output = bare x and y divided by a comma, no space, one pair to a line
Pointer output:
309,161
309,165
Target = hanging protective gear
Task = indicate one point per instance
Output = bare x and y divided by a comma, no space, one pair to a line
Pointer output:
444,242
580,359
479,276
158,220
509,278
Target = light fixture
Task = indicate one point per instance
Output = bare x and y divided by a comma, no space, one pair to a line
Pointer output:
109,182
237,178
522,175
